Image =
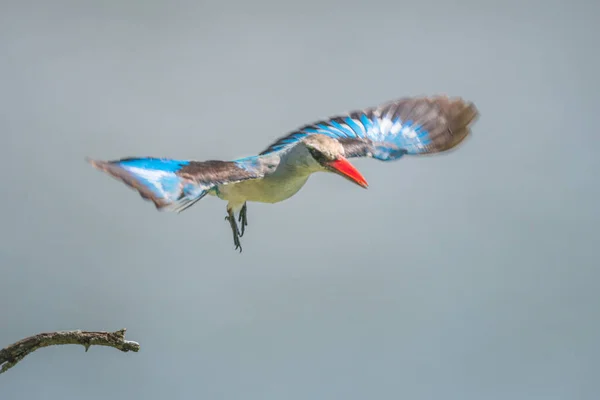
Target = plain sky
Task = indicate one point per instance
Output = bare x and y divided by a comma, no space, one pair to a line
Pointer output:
471,275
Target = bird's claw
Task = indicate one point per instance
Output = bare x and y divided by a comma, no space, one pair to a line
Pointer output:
243,219
236,233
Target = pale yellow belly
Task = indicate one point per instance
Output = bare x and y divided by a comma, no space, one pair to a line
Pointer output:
270,189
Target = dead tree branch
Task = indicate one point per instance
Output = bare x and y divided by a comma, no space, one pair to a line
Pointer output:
11,355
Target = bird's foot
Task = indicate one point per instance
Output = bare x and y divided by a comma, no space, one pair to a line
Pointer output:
243,219
234,228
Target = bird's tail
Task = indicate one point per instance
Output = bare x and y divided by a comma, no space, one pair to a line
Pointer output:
156,180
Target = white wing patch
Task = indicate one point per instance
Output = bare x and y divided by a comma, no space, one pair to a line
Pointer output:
163,181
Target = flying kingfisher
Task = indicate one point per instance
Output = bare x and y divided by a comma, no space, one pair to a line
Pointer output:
387,132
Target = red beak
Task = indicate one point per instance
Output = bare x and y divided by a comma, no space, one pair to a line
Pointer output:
343,167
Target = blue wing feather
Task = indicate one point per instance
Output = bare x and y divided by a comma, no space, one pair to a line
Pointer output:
152,163
414,125
160,177
176,185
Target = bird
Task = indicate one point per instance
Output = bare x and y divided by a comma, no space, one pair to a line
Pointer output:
403,127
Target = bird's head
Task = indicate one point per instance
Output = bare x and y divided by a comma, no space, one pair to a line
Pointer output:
329,154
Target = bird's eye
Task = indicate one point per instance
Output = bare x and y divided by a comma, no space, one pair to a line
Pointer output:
317,155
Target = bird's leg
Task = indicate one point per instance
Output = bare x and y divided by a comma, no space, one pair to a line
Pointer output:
234,228
243,219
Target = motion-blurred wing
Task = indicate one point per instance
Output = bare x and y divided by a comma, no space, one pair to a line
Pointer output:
415,125
175,185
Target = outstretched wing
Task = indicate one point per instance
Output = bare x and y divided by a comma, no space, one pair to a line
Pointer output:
411,125
176,185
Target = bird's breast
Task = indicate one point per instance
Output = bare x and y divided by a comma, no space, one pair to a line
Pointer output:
270,189
293,170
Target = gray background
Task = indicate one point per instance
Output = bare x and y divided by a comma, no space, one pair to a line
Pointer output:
467,276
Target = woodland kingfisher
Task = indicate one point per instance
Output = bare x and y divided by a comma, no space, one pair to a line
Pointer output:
406,126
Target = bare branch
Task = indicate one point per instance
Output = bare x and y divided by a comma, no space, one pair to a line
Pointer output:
11,355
